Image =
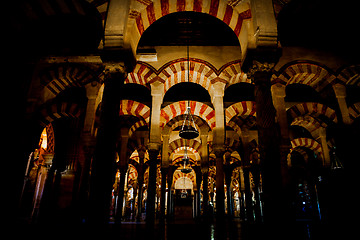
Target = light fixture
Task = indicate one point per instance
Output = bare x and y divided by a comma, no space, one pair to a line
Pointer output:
186,161
188,129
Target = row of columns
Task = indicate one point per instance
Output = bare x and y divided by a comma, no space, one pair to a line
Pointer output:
271,114
103,162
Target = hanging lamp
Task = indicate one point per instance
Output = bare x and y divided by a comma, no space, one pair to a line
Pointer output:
188,129
186,161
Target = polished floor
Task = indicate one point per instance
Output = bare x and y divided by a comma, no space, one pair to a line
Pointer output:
233,229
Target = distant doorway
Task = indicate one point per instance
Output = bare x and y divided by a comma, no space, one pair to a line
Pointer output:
183,204
183,200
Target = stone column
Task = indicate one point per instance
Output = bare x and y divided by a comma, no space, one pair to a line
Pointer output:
92,90
141,152
204,164
43,188
228,173
324,146
278,95
164,173
170,197
103,165
197,193
123,167
157,94
217,95
257,206
151,191
246,171
340,93
205,175
121,188
220,193
269,142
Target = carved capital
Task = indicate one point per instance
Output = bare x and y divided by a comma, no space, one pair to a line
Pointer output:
218,150
260,67
113,69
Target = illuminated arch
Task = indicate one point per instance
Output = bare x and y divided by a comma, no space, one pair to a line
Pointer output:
134,108
178,108
311,74
217,8
240,109
307,143
58,110
312,108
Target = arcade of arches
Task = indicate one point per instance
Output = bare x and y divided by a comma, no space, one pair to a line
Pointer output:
106,84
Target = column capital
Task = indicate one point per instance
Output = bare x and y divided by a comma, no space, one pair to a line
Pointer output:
204,170
92,89
278,90
260,68
340,90
217,90
154,147
157,88
218,150
113,69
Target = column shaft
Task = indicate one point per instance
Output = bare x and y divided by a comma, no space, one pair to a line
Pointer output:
103,165
220,193
268,146
150,206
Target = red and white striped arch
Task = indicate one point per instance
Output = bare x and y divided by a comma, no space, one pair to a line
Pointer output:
309,123
217,8
142,74
307,143
309,74
175,73
178,108
130,107
240,108
354,111
181,142
178,174
312,108
59,110
233,74
350,75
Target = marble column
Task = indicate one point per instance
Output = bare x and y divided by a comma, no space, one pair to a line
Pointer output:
269,141
228,173
151,191
246,173
204,164
278,95
324,146
170,197
217,95
103,164
123,167
120,194
141,170
340,93
220,193
164,173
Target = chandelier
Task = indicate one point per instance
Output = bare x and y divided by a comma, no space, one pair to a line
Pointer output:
186,161
188,129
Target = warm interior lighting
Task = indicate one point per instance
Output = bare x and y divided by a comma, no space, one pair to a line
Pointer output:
43,139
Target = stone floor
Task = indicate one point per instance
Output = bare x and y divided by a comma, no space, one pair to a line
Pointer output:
186,230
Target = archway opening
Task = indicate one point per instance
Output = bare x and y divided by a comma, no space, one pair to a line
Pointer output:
188,28
187,91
